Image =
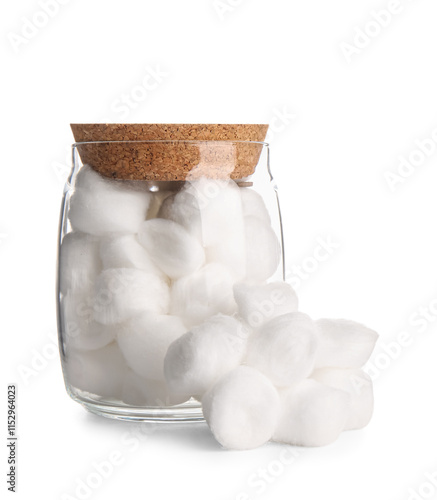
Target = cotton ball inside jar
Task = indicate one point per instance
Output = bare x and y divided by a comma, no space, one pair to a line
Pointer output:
100,205
183,208
196,360
203,294
144,341
125,251
79,329
171,247
242,409
99,372
124,292
139,391
260,303
343,343
284,348
358,385
312,414
254,205
263,250
79,262
220,207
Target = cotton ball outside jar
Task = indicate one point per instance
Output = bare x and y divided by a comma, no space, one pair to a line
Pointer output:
343,343
99,206
196,360
284,348
171,247
312,414
242,409
144,340
124,292
359,385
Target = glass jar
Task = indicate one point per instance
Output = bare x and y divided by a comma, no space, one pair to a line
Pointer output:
153,237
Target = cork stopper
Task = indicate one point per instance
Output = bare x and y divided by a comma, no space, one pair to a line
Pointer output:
189,151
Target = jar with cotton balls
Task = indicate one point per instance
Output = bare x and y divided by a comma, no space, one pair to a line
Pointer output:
170,258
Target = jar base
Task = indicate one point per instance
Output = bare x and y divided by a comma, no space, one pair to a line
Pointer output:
191,411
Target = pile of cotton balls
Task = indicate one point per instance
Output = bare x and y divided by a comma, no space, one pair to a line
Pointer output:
164,297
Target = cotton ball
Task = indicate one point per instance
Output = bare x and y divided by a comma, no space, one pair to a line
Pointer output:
284,348
195,361
122,293
157,199
183,208
312,414
171,247
79,262
253,204
125,251
100,205
79,330
223,233
356,383
231,252
220,209
203,294
99,372
242,409
263,250
260,303
144,341
138,391
343,343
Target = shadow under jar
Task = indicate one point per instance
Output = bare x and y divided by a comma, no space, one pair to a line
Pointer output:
153,237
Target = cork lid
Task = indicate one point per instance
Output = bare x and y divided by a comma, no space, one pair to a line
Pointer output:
170,151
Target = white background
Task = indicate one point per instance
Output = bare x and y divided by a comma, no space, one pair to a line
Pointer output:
350,108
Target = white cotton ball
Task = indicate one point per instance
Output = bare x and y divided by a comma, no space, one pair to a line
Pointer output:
260,303
242,409
253,204
100,205
203,294
125,251
99,372
79,330
284,348
171,247
183,208
138,391
156,201
343,343
223,233
312,414
230,252
263,250
122,293
221,210
144,341
195,361
356,383
79,262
